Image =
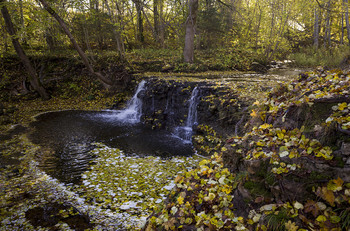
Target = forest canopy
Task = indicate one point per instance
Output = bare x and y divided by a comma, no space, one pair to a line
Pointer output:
261,29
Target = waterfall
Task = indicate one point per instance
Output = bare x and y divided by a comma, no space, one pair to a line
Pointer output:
192,109
185,132
133,111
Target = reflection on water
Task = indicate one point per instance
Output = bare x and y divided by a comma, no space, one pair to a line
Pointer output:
69,135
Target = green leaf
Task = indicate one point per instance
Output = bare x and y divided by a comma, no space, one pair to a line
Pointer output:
321,218
335,219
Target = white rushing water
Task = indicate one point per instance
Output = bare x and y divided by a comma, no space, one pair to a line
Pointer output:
133,111
129,115
185,132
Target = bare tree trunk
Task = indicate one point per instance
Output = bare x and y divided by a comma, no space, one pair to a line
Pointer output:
106,81
33,77
327,36
278,40
156,19
258,28
139,7
347,19
190,31
116,32
23,38
342,29
86,39
272,29
162,24
119,18
316,28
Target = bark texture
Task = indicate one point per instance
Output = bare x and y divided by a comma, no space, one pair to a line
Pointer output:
190,31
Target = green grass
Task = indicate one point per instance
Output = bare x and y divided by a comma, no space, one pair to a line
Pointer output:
330,57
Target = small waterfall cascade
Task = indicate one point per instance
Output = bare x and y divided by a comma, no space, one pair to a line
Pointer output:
185,132
133,111
192,109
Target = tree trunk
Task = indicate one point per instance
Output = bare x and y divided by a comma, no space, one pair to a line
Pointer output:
342,29
257,30
316,28
116,32
347,19
119,18
272,29
190,31
156,20
23,38
327,35
33,77
162,24
139,7
106,81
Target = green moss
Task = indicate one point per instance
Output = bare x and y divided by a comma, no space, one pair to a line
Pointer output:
339,161
257,189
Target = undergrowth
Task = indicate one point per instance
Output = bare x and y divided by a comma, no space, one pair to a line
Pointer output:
311,57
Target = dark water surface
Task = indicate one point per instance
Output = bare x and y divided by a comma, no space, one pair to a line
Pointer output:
70,134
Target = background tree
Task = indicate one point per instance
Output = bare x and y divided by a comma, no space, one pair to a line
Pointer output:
33,78
190,31
106,81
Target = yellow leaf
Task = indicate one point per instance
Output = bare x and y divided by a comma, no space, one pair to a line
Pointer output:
253,114
180,200
342,106
321,218
279,134
328,196
264,126
256,103
290,226
335,185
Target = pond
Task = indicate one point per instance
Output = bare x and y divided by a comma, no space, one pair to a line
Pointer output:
70,136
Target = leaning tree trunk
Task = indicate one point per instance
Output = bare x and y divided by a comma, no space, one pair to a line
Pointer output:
190,31
33,77
105,81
